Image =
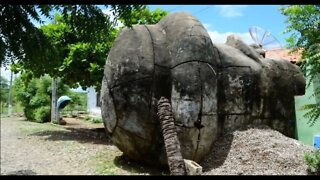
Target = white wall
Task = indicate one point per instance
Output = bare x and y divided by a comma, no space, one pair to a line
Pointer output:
92,101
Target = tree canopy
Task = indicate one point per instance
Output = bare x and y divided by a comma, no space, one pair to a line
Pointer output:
79,56
35,96
20,37
303,21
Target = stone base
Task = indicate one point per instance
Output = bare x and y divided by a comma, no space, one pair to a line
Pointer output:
192,167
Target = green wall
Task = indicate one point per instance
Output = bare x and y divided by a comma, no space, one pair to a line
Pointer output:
304,132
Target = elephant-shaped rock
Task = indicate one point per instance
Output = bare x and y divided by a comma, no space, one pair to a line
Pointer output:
213,88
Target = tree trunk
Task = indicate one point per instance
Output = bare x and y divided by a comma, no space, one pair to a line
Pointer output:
172,145
54,109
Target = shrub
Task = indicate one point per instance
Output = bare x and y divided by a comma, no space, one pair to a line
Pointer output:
35,97
42,114
29,112
93,120
96,120
313,161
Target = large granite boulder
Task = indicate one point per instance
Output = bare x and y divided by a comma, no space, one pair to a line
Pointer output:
213,88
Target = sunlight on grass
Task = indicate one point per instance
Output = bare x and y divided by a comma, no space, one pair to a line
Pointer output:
113,162
33,127
104,163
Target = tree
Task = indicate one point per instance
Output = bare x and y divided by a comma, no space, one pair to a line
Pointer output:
81,57
304,24
20,37
145,16
35,96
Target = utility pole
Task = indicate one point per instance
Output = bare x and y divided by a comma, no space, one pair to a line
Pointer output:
10,96
54,109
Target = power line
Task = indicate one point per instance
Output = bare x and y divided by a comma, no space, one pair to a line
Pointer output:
203,9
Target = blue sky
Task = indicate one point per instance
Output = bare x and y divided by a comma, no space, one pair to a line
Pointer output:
222,20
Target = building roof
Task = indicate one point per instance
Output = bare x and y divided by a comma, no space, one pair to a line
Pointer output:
293,57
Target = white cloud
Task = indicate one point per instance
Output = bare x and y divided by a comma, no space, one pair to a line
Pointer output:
231,10
112,17
218,37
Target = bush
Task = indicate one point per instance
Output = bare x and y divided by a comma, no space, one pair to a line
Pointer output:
313,161
42,114
35,97
93,120
96,120
29,113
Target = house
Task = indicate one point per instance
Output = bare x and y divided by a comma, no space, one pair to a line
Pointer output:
304,132
93,102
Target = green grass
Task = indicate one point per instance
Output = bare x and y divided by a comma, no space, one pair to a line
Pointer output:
113,162
105,165
93,120
33,128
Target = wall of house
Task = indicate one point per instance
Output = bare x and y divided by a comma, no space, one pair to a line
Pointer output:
304,131
92,107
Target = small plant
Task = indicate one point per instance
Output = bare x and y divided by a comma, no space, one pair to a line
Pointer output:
313,161
96,120
42,114
93,120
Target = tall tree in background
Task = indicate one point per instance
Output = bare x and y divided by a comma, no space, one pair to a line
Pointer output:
145,16
80,56
303,21
73,47
35,51
19,36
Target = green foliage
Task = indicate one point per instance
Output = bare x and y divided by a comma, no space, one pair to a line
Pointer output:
21,39
81,55
146,16
35,96
125,12
303,22
42,114
97,120
313,161
93,120
313,113
80,58
78,103
4,93
4,83
4,89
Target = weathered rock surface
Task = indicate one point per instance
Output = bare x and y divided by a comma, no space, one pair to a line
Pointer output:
213,88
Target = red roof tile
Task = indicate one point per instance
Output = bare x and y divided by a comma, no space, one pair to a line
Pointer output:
284,54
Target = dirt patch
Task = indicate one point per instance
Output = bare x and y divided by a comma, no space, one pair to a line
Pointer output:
78,148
